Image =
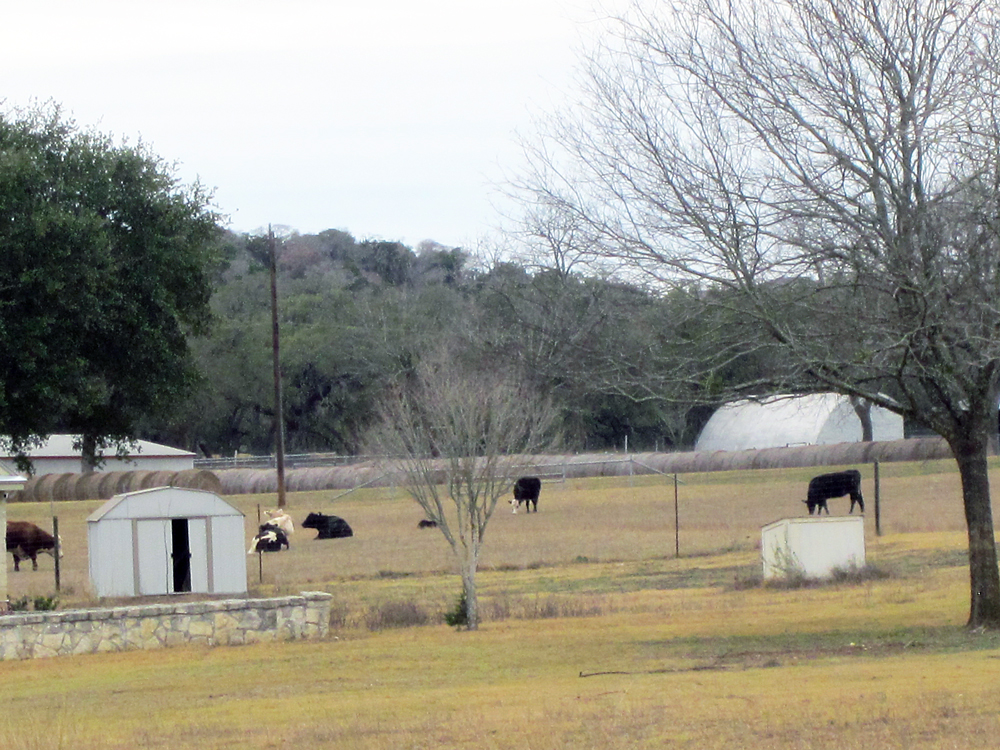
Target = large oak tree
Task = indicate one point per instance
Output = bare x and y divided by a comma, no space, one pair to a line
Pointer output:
105,268
826,174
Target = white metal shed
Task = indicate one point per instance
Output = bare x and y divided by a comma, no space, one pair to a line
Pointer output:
812,546
167,540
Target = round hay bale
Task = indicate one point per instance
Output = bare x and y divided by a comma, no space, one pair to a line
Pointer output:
157,479
263,480
86,486
236,481
198,479
108,484
62,488
39,489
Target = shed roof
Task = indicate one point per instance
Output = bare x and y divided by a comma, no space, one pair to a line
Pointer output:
163,502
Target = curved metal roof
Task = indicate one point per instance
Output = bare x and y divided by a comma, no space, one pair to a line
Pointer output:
781,421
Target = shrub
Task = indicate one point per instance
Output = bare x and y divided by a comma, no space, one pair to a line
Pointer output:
458,617
338,615
395,615
854,574
794,578
45,603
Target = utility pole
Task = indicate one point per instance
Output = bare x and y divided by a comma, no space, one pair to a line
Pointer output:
279,412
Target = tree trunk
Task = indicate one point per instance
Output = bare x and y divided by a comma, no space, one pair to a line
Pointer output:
471,600
863,408
971,453
88,454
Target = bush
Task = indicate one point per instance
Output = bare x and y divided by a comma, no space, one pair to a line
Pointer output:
395,615
45,603
458,617
794,578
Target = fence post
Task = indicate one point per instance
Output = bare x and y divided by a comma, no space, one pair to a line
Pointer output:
677,523
878,501
58,547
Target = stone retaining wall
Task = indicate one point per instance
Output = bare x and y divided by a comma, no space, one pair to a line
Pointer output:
214,623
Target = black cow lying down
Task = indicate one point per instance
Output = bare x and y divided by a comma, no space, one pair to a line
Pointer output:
836,484
270,538
329,527
526,490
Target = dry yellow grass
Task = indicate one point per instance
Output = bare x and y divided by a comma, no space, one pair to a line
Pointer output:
675,656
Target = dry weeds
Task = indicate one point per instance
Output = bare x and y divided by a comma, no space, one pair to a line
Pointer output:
676,655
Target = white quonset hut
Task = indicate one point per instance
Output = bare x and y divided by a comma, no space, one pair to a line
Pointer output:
813,547
784,421
166,540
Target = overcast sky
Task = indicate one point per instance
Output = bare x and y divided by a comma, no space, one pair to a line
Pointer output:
384,118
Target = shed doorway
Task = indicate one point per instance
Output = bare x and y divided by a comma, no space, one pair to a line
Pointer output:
180,553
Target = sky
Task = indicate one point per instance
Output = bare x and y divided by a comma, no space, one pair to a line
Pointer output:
389,119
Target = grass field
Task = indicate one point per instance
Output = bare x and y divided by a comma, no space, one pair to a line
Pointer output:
596,635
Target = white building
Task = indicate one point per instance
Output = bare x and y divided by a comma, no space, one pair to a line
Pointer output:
813,547
166,540
784,421
57,456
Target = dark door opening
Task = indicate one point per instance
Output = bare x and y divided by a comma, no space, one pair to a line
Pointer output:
181,554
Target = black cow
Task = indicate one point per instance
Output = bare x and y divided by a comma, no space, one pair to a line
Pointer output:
836,484
25,541
329,527
526,490
427,523
270,538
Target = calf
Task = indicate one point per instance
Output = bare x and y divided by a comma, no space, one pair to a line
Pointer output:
25,541
329,527
270,538
836,484
526,490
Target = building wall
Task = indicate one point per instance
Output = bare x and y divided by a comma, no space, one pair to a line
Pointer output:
217,623
71,464
813,547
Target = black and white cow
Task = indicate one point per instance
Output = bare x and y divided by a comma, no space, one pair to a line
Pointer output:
329,527
835,484
270,538
526,490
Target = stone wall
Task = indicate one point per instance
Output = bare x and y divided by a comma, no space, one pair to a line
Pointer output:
213,623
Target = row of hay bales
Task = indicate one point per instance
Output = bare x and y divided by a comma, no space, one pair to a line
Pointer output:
104,485
256,481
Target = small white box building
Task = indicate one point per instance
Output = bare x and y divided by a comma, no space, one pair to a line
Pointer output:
167,540
813,547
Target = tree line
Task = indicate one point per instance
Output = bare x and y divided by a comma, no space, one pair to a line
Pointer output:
358,316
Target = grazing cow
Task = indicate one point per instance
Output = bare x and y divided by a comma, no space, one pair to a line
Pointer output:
282,520
270,538
329,527
837,484
426,523
526,490
25,541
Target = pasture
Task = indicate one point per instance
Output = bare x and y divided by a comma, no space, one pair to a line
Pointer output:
595,634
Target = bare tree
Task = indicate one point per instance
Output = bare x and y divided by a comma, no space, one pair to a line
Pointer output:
460,438
826,173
